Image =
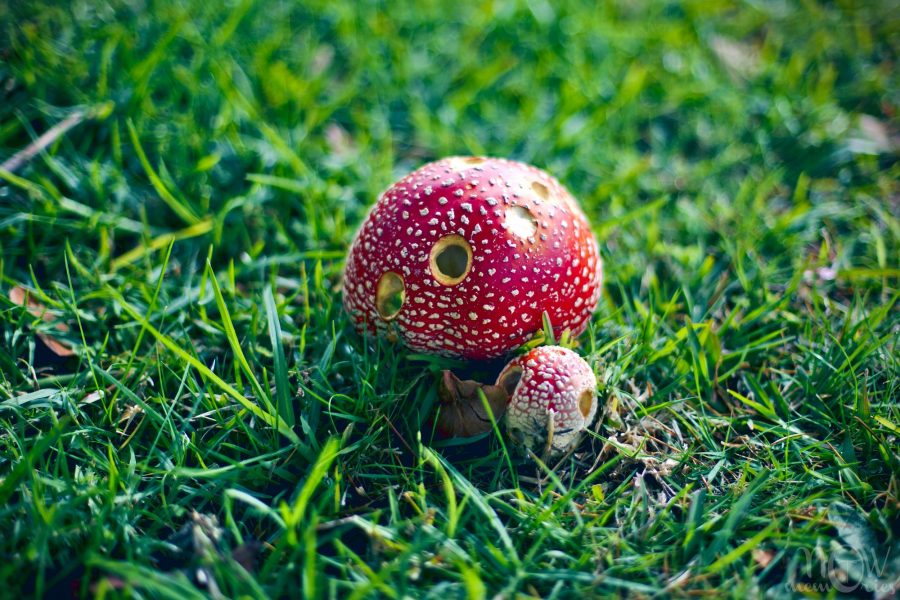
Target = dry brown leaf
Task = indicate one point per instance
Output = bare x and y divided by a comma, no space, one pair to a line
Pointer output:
763,557
21,297
17,296
56,347
462,413
93,397
130,413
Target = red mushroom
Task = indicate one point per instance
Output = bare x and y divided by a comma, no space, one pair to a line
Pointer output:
461,257
553,399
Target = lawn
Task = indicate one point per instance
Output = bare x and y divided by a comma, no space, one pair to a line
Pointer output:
186,410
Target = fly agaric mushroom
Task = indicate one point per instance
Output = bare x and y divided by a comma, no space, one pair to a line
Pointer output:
553,399
461,258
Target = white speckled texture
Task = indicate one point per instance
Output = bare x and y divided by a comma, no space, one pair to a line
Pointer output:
547,398
514,277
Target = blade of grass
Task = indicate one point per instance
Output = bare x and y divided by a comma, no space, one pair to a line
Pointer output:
284,404
230,333
267,417
161,241
178,207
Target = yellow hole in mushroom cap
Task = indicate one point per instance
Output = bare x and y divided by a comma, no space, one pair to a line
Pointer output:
390,295
451,259
461,163
540,189
520,222
585,402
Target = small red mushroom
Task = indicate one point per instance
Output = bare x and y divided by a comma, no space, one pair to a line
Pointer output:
461,258
553,399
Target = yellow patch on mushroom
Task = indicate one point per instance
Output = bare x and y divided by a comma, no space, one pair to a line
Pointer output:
586,402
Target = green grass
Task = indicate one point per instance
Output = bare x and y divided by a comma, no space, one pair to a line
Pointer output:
739,163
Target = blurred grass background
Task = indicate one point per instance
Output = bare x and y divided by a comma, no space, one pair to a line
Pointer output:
738,161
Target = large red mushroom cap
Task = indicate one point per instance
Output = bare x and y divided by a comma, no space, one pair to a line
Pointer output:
461,257
553,399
